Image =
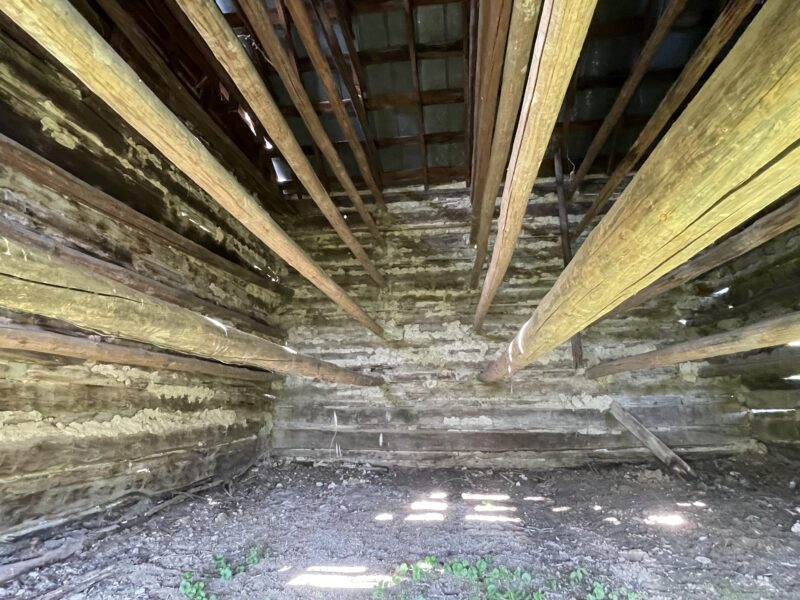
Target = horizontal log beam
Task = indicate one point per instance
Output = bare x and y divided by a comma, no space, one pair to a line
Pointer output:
34,280
29,339
720,164
764,334
61,30
781,362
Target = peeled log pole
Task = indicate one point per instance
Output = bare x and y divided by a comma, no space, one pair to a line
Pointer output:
28,339
733,151
210,23
771,332
38,282
724,27
305,29
661,30
518,52
262,27
559,39
766,228
651,441
61,30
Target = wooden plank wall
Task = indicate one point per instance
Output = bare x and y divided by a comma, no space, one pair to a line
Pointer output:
434,411
76,434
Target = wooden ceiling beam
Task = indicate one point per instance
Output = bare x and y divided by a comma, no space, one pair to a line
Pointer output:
721,163
729,21
305,29
220,38
651,46
282,63
559,40
493,26
764,334
521,33
61,30
411,34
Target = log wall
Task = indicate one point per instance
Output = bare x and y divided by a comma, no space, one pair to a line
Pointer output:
434,411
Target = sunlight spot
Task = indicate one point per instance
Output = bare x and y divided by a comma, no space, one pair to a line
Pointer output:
348,582
494,508
597,507
683,504
794,344
428,505
284,569
438,495
612,520
336,569
497,497
792,377
430,516
682,321
384,517
535,498
492,518
559,509
667,520
699,503
721,292
757,411
267,144
217,323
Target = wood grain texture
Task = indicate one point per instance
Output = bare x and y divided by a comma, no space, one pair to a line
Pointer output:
660,220
521,33
728,22
559,39
765,334
66,35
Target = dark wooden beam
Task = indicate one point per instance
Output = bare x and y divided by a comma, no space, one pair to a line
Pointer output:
733,162
470,48
781,362
411,33
729,21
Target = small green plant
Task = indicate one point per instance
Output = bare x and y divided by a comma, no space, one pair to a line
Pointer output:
223,568
254,555
194,589
578,575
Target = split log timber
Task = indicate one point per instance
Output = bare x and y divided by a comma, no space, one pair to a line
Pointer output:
766,228
518,52
662,220
29,339
38,282
210,23
764,334
493,19
305,29
720,33
661,30
60,29
780,362
132,279
651,441
562,30
262,27
42,172
566,247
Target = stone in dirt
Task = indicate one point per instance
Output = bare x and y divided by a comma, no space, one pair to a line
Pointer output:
796,528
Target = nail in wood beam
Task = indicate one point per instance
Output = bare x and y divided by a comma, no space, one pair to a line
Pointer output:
219,37
493,34
733,161
411,33
349,77
262,27
60,29
764,334
32,280
661,30
651,441
770,226
29,339
729,21
515,68
559,39
305,29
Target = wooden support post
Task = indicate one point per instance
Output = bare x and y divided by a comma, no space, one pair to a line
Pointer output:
305,29
219,37
770,226
33,280
562,30
651,442
720,33
764,334
661,30
411,33
566,247
262,27
64,33
733,162
515,68
29,339
493,34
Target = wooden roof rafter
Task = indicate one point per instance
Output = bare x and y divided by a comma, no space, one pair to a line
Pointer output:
411,33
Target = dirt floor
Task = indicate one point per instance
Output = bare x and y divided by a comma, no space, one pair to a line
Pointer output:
290,531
